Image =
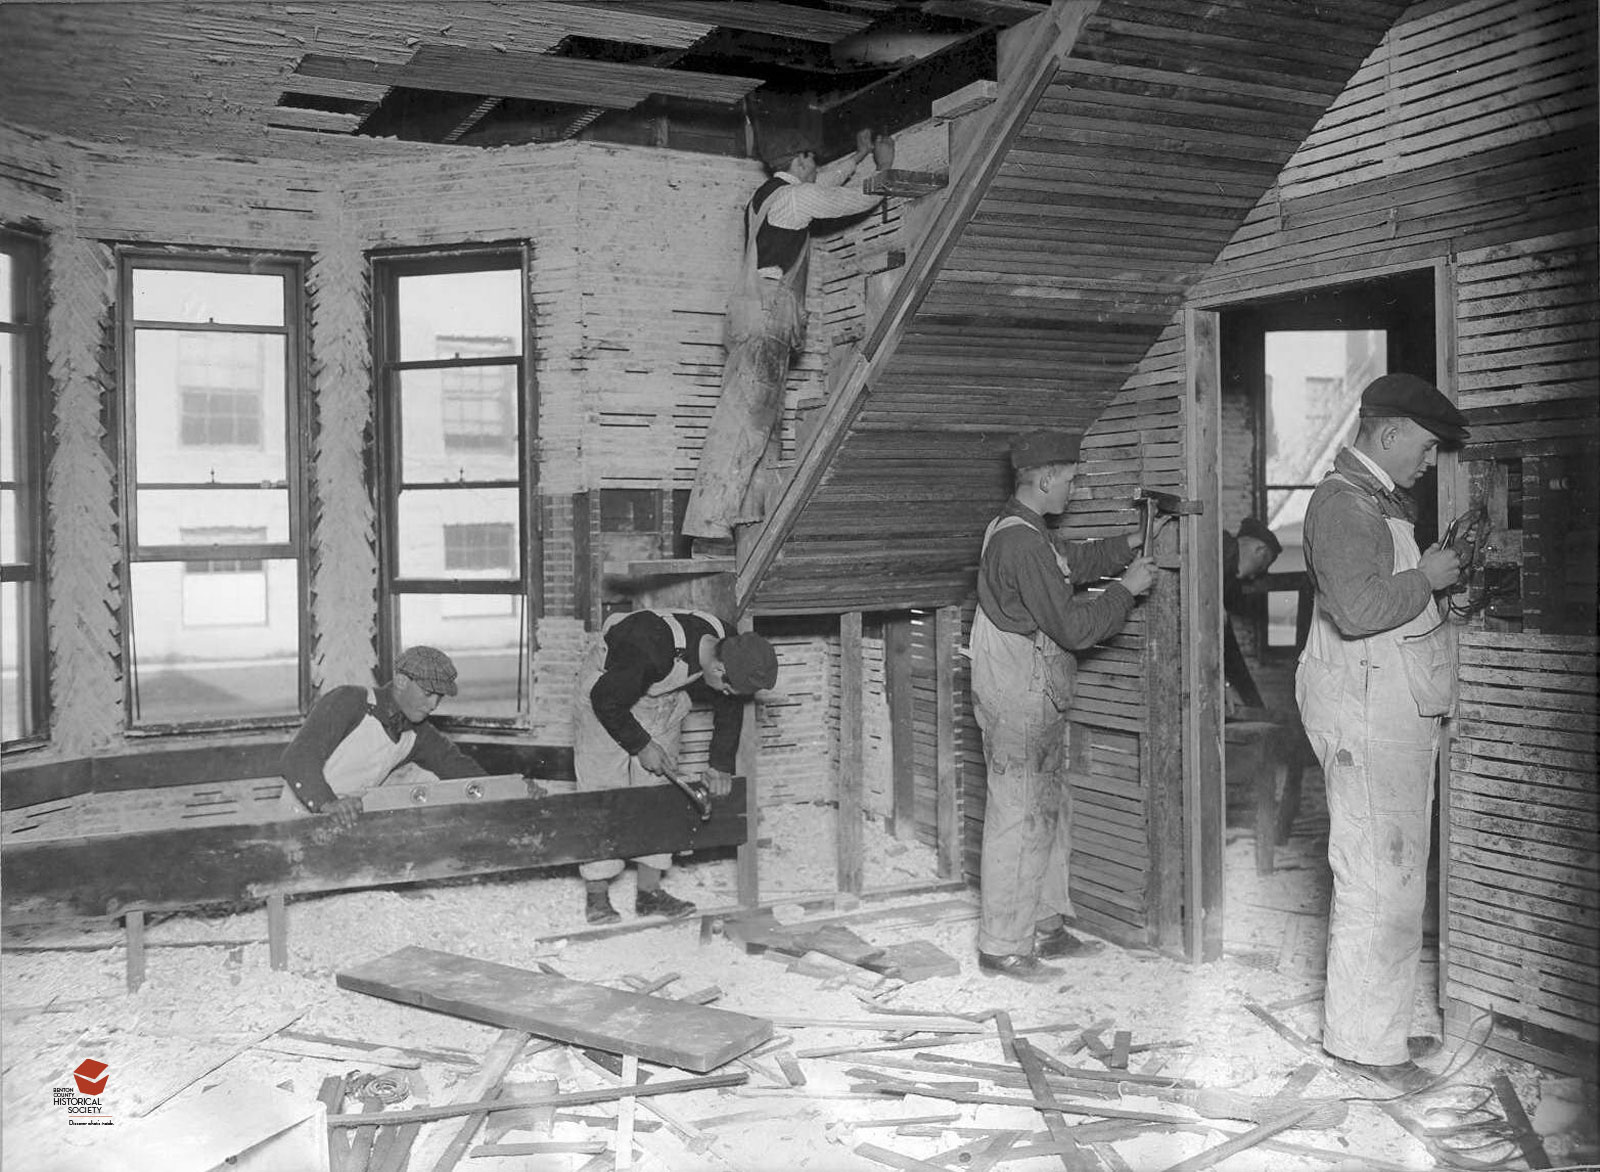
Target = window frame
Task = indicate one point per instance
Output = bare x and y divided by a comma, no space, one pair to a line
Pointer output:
387,268
297,416
34,449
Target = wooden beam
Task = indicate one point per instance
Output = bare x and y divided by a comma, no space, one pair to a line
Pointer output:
971,171
947,766
852,743
899,685
747,864
1202,619
1161,761
675,1033
175,869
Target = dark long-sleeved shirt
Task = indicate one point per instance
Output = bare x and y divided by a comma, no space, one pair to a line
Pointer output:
1021,589
335,715
639,655
1350,553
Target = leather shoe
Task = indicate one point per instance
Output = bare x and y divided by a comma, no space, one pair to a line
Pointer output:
1404,1077
659,903
1019,965
1421,1046
1058,942
597,908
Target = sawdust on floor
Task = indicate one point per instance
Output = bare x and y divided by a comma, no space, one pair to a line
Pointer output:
200,1004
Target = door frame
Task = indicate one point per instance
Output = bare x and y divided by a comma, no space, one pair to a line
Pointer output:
1201,615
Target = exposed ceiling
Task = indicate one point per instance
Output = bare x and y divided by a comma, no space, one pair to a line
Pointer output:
275,78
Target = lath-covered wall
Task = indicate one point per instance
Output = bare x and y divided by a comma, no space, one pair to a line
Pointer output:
1469,138
632,253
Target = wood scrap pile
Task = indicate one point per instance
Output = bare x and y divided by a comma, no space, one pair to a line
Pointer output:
835,954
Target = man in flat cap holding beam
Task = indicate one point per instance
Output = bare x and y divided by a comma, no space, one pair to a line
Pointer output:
1029,621
1376,676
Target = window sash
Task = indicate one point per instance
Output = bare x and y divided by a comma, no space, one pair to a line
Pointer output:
424,597
265,550
22,575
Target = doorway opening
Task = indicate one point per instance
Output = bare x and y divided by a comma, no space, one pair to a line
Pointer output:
1292,369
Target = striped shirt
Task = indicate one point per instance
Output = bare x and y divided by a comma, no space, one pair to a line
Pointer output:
796,204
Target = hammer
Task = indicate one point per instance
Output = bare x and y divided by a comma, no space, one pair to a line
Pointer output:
1152,502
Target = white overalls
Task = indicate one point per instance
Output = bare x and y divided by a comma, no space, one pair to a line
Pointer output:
1363,715
1021,689
598,761
364,760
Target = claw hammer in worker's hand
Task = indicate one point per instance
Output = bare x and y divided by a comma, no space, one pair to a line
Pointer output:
1153,502
696,791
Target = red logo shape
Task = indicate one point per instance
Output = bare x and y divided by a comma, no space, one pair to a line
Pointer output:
91,1076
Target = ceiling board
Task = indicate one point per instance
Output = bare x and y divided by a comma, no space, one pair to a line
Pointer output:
782,20
541,77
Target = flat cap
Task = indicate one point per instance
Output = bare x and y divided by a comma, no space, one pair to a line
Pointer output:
429,667
1410,397
1250,527
1034,448
779,146
749,662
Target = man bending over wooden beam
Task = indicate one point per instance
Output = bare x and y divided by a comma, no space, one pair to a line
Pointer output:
628,713
356,739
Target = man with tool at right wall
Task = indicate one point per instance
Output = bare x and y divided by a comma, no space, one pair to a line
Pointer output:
1376,676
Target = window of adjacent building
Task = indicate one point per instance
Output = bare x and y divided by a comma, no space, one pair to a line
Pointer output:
1314,384
24,691
456,491
215,539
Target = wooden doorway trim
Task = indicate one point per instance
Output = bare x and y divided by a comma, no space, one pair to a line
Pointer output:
1201,624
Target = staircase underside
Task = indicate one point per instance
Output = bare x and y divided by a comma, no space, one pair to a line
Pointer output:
1164,126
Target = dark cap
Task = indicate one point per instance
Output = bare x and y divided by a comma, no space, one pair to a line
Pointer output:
1035,448
750,663
1250,527
779,147
1410,397
429,667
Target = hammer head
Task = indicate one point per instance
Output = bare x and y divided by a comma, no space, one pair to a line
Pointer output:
1165,502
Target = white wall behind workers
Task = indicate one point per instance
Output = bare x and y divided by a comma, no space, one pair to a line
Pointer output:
633,250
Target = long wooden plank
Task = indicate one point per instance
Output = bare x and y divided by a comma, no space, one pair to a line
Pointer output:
1052,37
676,1033
173,869
852,747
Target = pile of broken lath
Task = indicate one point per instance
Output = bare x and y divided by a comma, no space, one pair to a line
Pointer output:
1082,1107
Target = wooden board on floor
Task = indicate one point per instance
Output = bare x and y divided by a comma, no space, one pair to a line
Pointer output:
175,869
691,1037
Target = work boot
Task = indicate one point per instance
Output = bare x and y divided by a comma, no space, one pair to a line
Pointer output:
659,903
1059,943
1404,1077
597,907
1420,1046
1018,965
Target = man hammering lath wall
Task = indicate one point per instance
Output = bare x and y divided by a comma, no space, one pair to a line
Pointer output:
766,323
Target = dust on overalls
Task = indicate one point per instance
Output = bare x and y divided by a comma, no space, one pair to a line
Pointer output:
1021,689
598,761
364,760
1371,709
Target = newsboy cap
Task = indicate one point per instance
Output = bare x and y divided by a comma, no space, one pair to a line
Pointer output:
1406,395
1250,527
430,667
1034,448
749,663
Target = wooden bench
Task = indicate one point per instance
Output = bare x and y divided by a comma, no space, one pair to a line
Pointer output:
126,876
1267,755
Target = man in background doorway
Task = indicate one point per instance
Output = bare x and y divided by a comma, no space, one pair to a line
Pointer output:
1376,676
355,739
1029,621
1245,555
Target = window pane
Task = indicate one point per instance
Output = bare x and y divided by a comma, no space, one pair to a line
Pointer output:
16,637
11,523
1314,384
470,314
166,514
209,407
10,365
458,424
426,516
239,299
214,646
486,646
8,274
